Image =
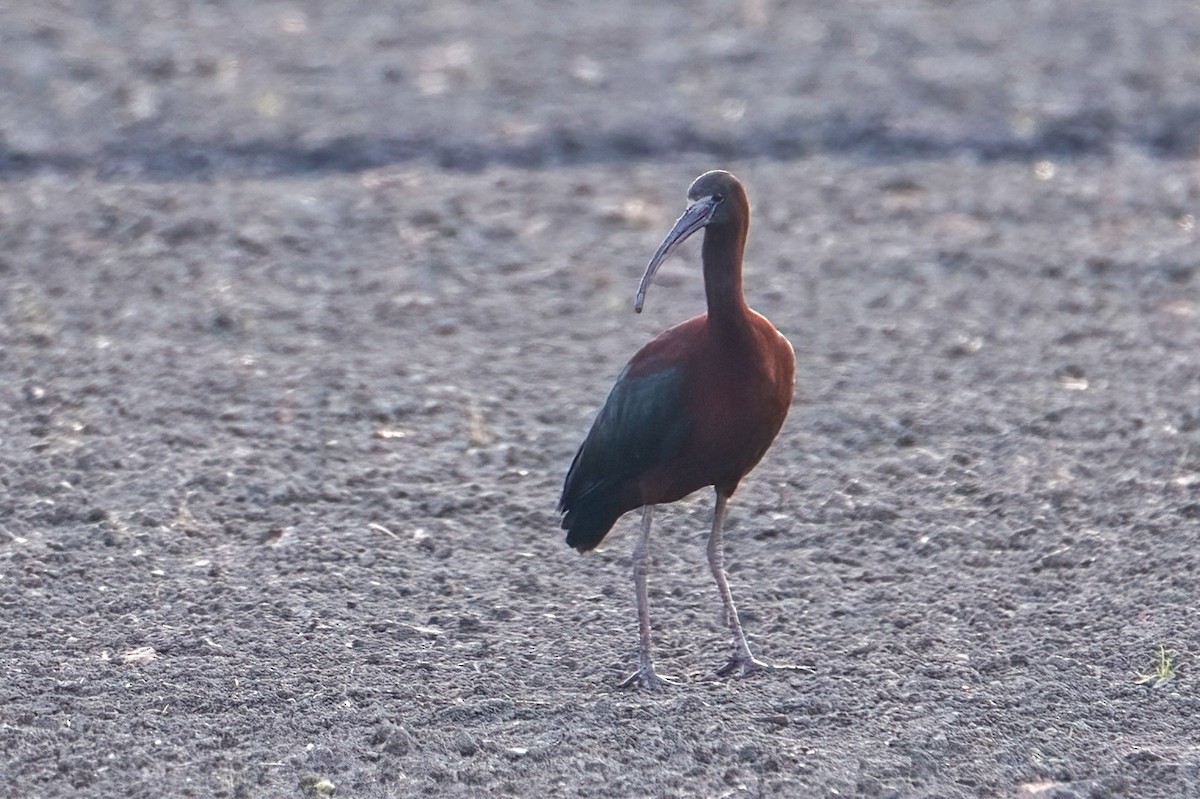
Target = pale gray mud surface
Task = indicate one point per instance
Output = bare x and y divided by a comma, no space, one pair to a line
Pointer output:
305,310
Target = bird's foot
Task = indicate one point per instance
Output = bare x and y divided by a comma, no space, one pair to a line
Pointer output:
647,676
745,665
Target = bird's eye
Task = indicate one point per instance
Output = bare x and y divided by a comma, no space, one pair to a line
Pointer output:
718,198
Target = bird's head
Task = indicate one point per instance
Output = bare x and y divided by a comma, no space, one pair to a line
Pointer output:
715,199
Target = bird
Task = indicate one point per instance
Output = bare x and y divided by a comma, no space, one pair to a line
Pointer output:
697,406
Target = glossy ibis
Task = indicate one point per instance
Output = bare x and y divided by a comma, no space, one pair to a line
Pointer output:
698,406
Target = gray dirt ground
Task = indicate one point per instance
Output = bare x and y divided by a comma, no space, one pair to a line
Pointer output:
305,307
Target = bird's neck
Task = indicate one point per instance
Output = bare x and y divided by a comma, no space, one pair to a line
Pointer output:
722,256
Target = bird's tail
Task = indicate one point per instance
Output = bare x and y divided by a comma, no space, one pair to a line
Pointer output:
588,520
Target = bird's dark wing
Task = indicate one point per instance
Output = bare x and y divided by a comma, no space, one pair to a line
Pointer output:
642,425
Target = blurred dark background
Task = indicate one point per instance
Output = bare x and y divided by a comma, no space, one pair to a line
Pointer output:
190,88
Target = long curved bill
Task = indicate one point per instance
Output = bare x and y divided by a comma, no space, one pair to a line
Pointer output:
697,215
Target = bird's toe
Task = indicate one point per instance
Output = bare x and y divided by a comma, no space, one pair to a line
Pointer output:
744,666
648,677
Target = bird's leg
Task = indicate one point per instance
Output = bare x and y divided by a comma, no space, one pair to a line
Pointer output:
742,661
645,673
